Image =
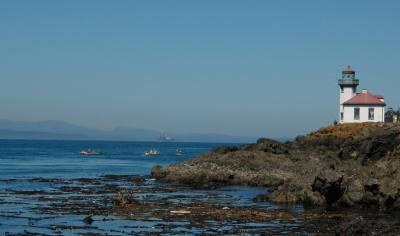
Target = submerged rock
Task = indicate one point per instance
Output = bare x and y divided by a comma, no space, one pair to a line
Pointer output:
88,219
367,227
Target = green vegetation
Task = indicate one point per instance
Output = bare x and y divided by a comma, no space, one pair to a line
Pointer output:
392,115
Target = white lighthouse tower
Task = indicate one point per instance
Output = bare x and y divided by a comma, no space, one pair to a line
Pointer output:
348,88
358,107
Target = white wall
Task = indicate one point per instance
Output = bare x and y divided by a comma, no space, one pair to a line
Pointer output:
348,111
346,95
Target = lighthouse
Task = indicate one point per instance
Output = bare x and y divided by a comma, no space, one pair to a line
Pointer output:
348,88
358,107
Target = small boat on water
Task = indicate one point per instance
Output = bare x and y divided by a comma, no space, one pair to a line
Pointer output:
152,152
178,152
87,152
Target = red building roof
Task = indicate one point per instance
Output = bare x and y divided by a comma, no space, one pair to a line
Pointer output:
365,99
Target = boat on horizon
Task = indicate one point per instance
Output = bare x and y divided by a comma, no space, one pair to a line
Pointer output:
164,138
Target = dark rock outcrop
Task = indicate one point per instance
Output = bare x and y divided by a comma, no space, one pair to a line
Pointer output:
362,227
355,165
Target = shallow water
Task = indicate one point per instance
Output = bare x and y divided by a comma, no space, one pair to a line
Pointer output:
47,187
35,176
45,208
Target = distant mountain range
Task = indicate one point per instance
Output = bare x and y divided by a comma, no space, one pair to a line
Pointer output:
60,130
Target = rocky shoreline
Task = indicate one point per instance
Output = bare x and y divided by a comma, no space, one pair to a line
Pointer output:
134,205
352,165
137,205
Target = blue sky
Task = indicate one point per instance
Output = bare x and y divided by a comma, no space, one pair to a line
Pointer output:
249,68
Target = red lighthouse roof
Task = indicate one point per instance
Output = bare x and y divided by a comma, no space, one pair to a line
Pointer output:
365,98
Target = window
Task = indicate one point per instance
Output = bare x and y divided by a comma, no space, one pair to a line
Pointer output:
357,113
341,116
371,114
348,76
342,89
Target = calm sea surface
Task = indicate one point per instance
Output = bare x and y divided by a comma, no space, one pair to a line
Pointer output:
61,159
32,174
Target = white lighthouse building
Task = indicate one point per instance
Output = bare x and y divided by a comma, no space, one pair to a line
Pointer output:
357,107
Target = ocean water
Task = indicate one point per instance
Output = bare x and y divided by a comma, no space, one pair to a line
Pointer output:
61,159
37,176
